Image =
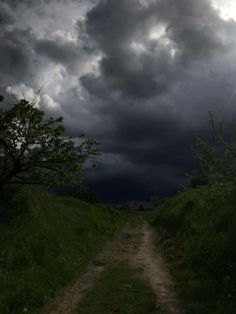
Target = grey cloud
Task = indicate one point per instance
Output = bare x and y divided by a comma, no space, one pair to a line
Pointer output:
14,57
195,32
60,53
148,92
5,15
114,26
150,102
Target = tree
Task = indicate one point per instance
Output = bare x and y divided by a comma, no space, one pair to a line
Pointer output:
33,150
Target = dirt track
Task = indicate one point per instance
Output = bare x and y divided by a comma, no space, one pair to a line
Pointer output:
134,245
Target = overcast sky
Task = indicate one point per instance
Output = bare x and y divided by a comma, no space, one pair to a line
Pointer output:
138,75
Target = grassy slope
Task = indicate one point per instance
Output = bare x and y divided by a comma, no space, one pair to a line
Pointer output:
49,241
120,290
198,230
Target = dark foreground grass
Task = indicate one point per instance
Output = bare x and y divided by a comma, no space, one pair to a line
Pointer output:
45,242
120,290
198,229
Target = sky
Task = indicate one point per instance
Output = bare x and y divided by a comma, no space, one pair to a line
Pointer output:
137,75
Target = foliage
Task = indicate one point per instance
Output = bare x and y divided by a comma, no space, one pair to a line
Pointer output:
82,192
218,160
33,150
198,228
157,200
120,290
198,178
48,247
198,237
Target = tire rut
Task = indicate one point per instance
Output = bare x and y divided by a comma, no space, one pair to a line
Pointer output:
134,245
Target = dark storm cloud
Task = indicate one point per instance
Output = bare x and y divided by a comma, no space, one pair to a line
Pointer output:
155,154
58,52
133,185
151,100
115,25
5,15
37,42
14,56
137,75
194,31
12,48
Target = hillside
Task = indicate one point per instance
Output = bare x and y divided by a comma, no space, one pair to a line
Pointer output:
197,230
46,241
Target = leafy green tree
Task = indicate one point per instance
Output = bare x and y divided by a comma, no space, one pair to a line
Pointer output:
33,150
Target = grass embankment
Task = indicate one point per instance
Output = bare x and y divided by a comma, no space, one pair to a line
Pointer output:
198,229
45,242
120,290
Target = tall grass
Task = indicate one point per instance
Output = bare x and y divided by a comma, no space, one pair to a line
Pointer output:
120,290
198,229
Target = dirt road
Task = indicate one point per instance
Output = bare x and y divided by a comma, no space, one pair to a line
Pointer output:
135,246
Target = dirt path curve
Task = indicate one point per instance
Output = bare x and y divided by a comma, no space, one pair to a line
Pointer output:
133,245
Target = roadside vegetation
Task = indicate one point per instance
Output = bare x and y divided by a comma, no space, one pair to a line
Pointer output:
46,242
198,229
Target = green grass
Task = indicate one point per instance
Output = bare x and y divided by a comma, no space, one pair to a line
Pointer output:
198,229
120,290
45,242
